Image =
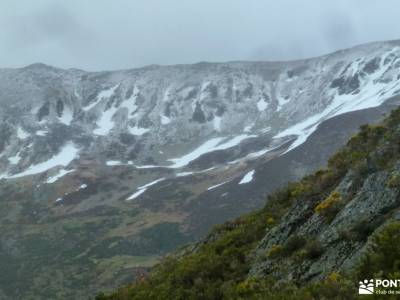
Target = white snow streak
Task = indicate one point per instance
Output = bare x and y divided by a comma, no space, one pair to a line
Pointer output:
204,148
66,155
214,144
60,174
217,185
211,145
183,174
111,163
143,188
372,94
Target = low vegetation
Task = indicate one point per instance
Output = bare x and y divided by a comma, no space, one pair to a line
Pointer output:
330,206
218,267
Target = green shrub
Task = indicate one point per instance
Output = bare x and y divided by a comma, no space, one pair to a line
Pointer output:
383,254
294,243
300,189
330,206
394,181
362,230
275,251
271,221
313,250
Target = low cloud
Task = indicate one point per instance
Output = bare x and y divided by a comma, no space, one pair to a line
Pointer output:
101,34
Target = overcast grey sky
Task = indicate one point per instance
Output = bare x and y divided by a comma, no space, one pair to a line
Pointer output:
106,34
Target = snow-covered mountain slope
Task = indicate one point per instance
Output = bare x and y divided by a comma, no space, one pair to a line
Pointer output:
118,153
170,116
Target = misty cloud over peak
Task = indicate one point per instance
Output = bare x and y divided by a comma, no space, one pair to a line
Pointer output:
98,35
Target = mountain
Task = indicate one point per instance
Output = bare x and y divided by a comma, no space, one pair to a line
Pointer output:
102,173
314,239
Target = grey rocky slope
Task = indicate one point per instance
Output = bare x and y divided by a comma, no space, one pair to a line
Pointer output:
98,165
152,115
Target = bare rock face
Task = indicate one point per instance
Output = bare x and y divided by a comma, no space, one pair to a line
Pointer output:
340,241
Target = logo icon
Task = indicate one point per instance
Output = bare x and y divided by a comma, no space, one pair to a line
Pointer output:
366,287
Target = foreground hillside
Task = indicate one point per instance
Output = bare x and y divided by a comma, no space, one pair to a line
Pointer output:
314,239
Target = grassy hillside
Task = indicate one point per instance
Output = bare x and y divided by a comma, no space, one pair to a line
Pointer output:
349,212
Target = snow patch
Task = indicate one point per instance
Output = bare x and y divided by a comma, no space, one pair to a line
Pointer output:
14,160
217,185
262,105
281,102
148,166
138,130
105,94
135,195
248,128
204,148
217,123
372,94
60,174
256,154
41,132
165,120
111,163
167,95
214,144
63,158
203,93
183,174
130,103
22,134
143,188
106,123
247,178
211,145
66,117
233,142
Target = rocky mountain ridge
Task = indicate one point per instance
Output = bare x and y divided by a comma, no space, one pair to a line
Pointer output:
169,116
